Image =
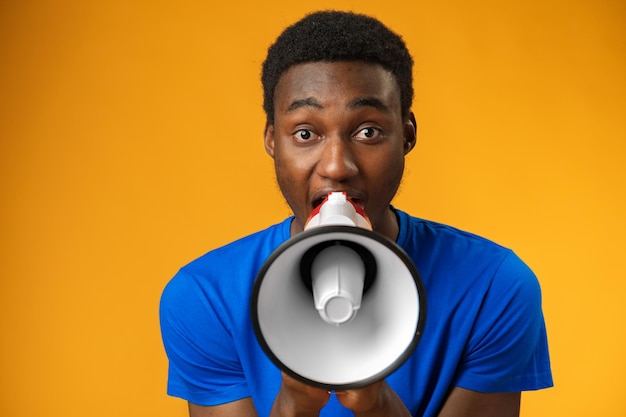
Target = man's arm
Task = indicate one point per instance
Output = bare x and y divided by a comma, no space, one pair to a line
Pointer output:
460,403
465,403
239,408
380,400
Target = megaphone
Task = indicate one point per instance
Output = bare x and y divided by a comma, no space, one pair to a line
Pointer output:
338,306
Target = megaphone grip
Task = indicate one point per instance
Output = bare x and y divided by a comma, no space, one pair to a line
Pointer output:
306,262
337,278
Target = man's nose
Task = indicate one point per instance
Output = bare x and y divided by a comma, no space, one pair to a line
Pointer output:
337,160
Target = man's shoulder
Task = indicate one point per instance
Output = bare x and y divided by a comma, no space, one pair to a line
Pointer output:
247,248
445,253
423,232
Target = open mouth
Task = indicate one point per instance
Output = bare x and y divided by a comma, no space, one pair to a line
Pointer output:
358,201
317,202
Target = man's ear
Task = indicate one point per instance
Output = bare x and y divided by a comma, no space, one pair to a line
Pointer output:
269,139
410,133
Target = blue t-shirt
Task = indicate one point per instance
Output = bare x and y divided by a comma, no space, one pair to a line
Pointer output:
484,329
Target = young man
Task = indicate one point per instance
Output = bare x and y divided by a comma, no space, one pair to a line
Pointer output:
338,91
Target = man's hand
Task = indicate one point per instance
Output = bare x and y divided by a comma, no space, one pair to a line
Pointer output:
377,399
299,399
296,399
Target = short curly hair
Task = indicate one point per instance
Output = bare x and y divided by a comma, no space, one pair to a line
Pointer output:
332,36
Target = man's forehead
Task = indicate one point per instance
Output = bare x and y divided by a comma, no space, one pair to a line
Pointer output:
355,83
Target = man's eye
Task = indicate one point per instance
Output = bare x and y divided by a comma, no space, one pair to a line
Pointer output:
368,133
304,134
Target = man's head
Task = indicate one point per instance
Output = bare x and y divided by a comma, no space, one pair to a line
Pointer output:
338,95
332,36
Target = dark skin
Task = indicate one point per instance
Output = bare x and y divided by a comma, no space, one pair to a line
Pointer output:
339,127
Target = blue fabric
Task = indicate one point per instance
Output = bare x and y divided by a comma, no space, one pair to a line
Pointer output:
484,327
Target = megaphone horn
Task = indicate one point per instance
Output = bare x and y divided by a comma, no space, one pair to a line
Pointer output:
338,306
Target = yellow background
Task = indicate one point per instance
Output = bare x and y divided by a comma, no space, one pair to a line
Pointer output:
131,143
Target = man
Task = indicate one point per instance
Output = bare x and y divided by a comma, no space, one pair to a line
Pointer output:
337,95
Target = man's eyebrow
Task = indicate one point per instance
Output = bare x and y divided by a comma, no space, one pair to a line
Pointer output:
358,102
304,102
369,102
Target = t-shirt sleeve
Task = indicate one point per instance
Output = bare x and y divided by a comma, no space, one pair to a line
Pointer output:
508,349
204,367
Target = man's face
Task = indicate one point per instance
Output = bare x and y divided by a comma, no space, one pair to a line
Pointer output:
338,127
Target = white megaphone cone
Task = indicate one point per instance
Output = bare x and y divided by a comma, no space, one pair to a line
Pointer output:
338,306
